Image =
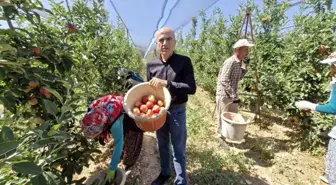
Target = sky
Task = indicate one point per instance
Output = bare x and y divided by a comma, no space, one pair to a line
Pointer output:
143,18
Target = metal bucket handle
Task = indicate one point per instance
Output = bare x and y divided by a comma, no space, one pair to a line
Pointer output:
245,122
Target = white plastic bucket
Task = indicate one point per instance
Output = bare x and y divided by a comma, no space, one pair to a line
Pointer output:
233,126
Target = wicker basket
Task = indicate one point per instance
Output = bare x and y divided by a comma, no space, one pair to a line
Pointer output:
135,94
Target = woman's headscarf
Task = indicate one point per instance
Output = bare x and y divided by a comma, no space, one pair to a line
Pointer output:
101,114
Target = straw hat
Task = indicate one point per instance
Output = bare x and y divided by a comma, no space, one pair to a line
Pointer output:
241,43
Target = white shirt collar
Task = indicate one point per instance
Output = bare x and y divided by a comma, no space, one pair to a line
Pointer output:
236,59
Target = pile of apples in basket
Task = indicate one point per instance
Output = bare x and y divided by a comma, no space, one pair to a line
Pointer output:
148,107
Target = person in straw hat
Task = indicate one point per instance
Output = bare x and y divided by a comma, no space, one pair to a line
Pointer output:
232,71
329,108
105,117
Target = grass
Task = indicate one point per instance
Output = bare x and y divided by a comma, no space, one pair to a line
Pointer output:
260,156
207,162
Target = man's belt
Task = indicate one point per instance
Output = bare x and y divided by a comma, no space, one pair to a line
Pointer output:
177,105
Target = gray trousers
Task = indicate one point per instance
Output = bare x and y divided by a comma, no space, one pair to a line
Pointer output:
224,104
331,162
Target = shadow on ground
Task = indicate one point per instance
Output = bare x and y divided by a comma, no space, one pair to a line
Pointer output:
261,149
206,167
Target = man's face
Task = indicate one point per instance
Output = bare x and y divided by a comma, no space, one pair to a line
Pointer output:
165,41
243,52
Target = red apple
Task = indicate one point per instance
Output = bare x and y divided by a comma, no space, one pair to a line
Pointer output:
152,98
144,99
33,101
150,104
138,104
33,84
322,49
149,113
143,108
36,51
28,89
160,103
156,109
136,111
72,28
38,120
45,92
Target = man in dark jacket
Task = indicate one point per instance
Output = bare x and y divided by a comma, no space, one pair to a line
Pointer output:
175,72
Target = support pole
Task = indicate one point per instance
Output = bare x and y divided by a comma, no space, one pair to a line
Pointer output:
248,22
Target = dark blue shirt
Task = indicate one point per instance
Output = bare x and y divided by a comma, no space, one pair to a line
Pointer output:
179,73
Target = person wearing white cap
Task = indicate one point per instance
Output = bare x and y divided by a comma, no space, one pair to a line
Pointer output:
232,71
329,108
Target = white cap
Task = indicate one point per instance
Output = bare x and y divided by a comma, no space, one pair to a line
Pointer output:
241,43
330,60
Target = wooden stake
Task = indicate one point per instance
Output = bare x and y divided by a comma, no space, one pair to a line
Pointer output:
248,22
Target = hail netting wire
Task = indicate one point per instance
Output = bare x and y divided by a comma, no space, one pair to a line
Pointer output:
181,14
143,19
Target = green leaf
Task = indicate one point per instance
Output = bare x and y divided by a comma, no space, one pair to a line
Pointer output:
2,137
45,10
43,126
59,148
27,168
43,142
2,74
66,84
61,135
17,93
38,180
67,62
37,16
51,133
55,93
8,146
39,132
50,106
54,129
79,113
74,100
54,158
65,108
65,116
72,82
9,102
6,62
7,134
6,47
52,178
